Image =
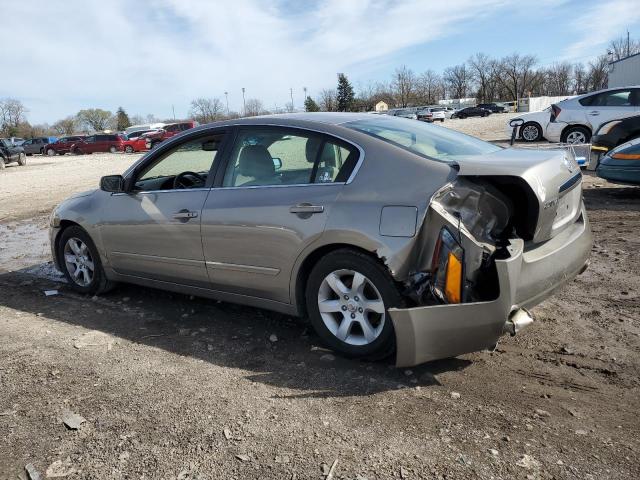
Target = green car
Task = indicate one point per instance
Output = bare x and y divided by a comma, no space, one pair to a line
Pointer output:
622,164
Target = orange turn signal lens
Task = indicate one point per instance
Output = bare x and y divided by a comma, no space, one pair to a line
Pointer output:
453,284
626,156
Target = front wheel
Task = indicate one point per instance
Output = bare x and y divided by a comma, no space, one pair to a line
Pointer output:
81,263
128,149
531,132
347,296
51,152
113,149
22,160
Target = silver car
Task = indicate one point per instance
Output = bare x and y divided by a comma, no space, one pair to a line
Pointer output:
390,235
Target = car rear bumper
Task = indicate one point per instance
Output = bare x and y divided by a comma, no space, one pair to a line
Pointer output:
554,131
526,278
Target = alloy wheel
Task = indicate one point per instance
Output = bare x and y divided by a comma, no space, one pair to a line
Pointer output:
576,137
78,261
530,133
51,152
351,307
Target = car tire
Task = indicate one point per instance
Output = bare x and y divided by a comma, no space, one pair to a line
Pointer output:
369,334
77,151
51,152
462,117
113,149
576,135
128,149
75,242
531,132
2,164
22,160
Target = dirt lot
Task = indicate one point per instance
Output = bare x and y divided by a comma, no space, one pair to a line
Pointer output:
184,388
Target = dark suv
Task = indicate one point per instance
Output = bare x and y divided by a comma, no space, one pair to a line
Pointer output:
11,153
37,144
100,142
494,107
63,145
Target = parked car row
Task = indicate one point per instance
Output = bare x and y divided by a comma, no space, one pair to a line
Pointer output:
577,119
136,141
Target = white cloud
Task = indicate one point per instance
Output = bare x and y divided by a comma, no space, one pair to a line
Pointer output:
148,56
599,24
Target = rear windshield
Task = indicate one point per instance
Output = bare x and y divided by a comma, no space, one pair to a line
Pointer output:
424,139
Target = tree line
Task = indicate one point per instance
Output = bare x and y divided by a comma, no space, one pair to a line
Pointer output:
482,77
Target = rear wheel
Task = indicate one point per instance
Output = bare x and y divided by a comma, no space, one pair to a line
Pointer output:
22,159
77,151
81,263
531,132
347,296
576,135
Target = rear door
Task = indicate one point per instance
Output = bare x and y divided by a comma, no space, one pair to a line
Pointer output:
611,105
273,199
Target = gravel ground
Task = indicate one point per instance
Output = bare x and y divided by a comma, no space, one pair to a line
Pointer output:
177,387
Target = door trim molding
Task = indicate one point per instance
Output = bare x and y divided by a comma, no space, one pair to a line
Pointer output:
155,258
243,268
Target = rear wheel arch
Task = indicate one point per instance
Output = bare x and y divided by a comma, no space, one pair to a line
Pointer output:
569,128
312,259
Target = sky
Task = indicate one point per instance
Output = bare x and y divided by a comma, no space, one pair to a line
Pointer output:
154,56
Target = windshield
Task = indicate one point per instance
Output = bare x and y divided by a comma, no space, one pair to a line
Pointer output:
424,139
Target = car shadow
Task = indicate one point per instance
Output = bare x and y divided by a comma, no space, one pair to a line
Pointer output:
612,198
221,334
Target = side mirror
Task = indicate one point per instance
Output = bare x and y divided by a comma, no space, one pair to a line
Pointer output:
277,163
112,183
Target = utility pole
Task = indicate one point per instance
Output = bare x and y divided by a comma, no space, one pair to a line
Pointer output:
226,96
244,104
628,49
291,91
305,93
174,112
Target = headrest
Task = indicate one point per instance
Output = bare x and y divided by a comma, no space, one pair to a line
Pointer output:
255,161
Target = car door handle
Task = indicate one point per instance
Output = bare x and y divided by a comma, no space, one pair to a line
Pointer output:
595,113
306,208
185,214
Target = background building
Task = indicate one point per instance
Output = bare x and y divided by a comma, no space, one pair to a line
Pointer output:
625,72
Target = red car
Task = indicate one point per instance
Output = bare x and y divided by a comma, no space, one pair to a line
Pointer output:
63,145
137,141
168,131
100,142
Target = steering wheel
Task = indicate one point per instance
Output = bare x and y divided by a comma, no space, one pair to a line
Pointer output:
192,177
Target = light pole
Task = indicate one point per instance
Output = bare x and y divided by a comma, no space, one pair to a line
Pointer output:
226,96
244,104
291,91
305,92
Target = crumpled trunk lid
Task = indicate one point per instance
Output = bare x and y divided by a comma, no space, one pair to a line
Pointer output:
553,176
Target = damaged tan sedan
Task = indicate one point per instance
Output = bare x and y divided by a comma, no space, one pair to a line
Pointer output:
391,235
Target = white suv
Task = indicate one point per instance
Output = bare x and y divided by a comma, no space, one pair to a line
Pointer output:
576,119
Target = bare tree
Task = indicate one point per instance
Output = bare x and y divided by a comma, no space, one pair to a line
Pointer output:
579,79
136,119
254,107
457,81
623,47
95,119
206,110
482,70
429,88
403,86
12,114
66,126
598,77
558,79
516,73
328,100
